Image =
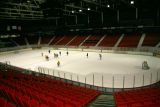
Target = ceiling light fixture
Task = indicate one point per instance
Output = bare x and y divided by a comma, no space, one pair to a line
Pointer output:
132,2
72,11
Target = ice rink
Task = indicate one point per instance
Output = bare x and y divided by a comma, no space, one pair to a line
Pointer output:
126,69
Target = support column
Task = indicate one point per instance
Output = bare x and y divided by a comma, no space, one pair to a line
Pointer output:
102,17
76,19
136,13
158,16
56,22
113,83
88,19
118,16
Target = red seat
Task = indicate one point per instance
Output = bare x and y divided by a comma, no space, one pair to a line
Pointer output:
136,105
52,104
26,101
59,103
68,105
43,105
148,103
2,102
124,105
34,103
10,105
43,90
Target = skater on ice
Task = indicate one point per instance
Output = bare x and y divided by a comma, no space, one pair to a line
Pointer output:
59,53
67,53
100,56
47,58
55,55
145,65
87,55
49,51
58,63
42,53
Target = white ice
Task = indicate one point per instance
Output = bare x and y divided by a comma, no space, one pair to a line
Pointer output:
78,63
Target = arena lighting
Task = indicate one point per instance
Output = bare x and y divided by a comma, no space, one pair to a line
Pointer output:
113,28
28,1
104,28
132,2
140,26
108,5
72,11
88,8
80,10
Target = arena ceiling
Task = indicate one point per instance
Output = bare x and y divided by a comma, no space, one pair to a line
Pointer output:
54,8
81,13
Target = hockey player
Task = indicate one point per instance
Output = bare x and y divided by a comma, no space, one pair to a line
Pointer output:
58,63
145,65
87,55
100,56
47,58
67,53
60,53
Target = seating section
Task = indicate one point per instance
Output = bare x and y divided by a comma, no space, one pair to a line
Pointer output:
6,42
20,40
65,40
5,103
109,40
24,90
130,40
77,41
151,39
56,39
33,40
149,97
92,41
46,39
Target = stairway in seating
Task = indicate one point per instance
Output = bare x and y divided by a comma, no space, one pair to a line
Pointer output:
158,45
51,40
104,100
26,40
119,40
70,40
141,40
85,40
39,40
15,42
59,40
100,40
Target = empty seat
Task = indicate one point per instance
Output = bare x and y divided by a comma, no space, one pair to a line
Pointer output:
2,102
10,105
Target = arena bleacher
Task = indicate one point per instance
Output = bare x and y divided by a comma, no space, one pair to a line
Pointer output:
24,90
131,40
109,26
147,97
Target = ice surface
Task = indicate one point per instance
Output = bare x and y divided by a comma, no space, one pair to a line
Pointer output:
77,62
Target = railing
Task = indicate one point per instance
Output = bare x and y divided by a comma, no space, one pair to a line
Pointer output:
14,48
80,80
87,48
107,80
